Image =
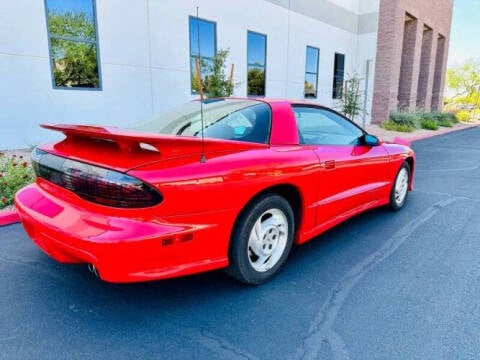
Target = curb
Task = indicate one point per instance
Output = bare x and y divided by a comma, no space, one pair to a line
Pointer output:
8,217
426,136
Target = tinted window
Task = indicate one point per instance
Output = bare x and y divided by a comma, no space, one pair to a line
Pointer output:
317,126
311,72
203,33
229,119
338,74
73,43
256,59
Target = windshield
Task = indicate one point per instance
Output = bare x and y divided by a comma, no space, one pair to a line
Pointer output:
228,119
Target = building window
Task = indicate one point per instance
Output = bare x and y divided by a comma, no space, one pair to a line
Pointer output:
203,46
73,43
256,63
311,72
338,72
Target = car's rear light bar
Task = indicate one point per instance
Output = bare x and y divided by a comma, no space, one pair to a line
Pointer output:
93,183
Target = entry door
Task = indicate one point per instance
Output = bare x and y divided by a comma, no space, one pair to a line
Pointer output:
352,174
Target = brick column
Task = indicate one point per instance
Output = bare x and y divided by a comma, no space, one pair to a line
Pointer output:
407,83
387,65
438,77
425,75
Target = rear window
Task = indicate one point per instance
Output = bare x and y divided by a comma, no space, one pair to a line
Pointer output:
228,119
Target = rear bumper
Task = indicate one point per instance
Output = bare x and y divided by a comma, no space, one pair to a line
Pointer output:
134,247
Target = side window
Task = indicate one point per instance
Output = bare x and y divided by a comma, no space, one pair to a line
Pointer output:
256,63
72,35
318,126
251,124
203,32
338,72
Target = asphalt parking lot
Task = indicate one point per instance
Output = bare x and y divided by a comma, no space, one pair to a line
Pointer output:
384,285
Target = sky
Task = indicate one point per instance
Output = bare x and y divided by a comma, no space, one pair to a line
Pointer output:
465,33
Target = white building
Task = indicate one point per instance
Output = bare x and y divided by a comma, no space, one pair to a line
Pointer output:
143,53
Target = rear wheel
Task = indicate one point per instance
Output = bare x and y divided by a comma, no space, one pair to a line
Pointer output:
261,240
399,192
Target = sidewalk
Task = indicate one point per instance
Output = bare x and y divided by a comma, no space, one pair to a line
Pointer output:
419,134
9,215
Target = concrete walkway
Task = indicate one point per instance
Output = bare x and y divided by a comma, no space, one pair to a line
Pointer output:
388,135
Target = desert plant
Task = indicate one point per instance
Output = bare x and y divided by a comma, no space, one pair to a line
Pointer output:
351,99
443,119
393,126
450,116
15,173
408,119
464,116
429,124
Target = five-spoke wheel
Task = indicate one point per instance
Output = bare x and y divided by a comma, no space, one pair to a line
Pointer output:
399,192
261,239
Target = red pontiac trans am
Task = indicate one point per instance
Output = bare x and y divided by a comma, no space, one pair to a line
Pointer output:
232,186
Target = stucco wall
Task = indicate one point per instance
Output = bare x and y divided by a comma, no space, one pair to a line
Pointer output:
144,57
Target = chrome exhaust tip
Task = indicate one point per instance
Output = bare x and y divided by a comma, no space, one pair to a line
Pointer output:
93,270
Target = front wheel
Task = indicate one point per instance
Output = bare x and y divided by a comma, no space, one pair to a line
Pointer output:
261,240
399,192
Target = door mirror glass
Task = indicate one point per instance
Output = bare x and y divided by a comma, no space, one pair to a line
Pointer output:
370,140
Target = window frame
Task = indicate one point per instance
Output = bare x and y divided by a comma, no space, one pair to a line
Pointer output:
254,65
338,96
190,56
324,108
73,39
311,73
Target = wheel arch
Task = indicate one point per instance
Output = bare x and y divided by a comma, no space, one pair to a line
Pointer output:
411,162
289,192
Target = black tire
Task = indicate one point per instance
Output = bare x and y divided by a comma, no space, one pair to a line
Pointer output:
243,265
396,203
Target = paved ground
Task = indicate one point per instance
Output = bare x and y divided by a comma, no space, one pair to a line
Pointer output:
384,285
388,135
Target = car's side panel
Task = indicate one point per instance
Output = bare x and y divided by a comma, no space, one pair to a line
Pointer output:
351,176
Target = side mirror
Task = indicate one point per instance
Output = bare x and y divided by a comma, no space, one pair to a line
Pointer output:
370,140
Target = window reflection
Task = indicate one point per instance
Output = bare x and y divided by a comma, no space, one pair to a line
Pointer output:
73,43
256,59
205,32
311,72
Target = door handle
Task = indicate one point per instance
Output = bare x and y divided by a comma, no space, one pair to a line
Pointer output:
328,164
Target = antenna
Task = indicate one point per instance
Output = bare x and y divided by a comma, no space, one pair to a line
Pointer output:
199,77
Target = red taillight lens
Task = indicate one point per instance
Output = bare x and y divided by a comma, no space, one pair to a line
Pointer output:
93,183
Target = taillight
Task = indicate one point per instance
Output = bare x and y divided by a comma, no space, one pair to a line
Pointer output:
93,183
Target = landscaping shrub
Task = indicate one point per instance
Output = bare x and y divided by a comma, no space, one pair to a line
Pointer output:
409,121
429,123
405,118
15,173
464,116
391,125
450,116
440,118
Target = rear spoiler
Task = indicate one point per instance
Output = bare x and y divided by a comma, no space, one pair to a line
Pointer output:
132,141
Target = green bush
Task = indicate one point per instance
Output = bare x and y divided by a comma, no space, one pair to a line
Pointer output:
451,117
440,118
408,119
429,124
15,173
464,116
392,125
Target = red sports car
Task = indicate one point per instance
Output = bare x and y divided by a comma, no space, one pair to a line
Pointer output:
232,186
